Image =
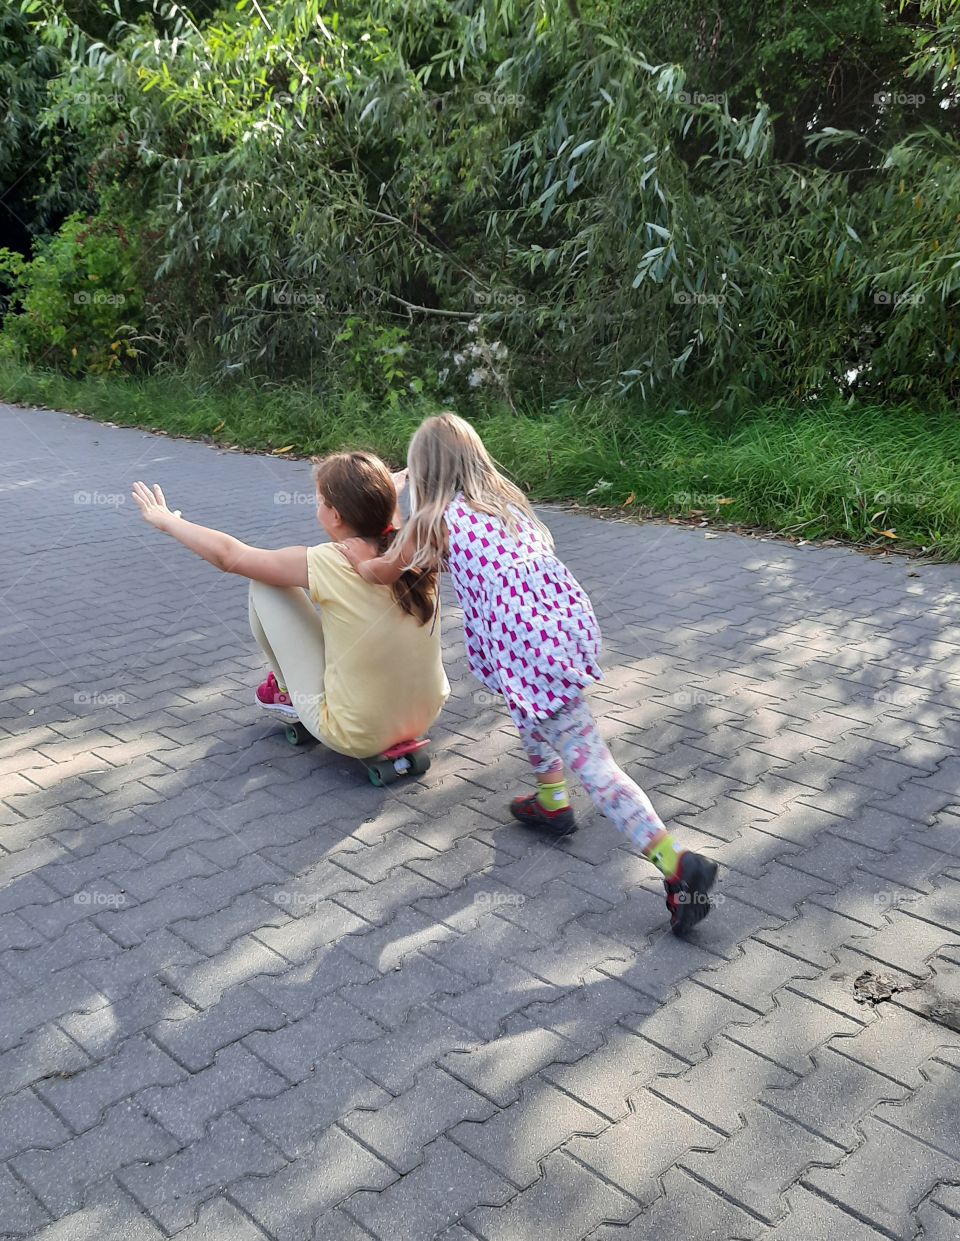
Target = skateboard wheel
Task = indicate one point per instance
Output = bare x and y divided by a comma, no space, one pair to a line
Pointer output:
419,763
382,773
296,734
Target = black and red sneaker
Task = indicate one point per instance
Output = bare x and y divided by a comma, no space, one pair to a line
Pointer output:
688,891
529,812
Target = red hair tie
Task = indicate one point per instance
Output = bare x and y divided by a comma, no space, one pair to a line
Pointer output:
389,530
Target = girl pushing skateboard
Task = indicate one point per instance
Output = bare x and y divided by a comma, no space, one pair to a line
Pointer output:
531,635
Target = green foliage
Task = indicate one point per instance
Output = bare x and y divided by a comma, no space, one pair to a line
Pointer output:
27,64
376,360
80,300
628,199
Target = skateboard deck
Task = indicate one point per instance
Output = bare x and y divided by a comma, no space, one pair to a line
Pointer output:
406,758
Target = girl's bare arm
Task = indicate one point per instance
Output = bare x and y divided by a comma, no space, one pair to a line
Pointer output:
286,566
381,570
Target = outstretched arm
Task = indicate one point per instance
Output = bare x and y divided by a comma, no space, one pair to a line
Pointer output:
286,566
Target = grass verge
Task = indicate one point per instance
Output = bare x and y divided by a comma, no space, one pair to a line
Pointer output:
874,476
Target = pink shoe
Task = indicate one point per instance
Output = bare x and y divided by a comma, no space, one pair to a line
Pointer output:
272,698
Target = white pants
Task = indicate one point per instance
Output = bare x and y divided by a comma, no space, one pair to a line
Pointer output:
287,626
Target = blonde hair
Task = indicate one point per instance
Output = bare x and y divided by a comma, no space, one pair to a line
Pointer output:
447,456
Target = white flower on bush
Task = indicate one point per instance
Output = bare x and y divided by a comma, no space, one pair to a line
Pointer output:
481,361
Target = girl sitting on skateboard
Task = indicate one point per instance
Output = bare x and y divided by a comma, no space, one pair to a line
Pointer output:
532,636
363,673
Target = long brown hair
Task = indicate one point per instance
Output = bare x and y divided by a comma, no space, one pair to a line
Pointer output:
358,485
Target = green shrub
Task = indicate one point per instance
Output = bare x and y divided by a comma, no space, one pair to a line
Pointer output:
78,304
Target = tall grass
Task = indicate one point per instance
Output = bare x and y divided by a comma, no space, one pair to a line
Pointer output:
832,472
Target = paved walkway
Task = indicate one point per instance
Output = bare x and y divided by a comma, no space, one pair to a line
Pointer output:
245,995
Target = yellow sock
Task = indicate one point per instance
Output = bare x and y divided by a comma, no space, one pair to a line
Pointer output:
664,854
553,796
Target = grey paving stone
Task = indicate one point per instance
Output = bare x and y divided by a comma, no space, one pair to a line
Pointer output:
913,863
731,931
397,1057
584,1013
61,1177
661,963
216,932
373,862
484,1007
575,953
885,1178
447,1184
383,947
814,934
294,1047
289,1203
245,960
399,1129
21,891
66,993
928,1114
25,1121
188,1103
31,958
718,1087
194,1039
20,1210
808,1215
832,1098
683,1024
793,1030
780,890
301,938
296,1118
390,998
896,1043
497,1068
84,1097
118,974
515,1140
296,989
139,1008
220,1220
566,1201
936,1223
108,1211
43,1054
905,943
607,1078
172,1189
758,1184
633,1153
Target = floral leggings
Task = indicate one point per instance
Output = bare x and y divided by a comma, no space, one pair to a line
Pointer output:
573,737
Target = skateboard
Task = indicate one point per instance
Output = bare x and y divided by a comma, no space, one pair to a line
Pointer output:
406,758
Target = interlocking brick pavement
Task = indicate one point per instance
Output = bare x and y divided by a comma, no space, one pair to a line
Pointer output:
243,994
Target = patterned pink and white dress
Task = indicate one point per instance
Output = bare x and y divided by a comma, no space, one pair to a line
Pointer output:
531,632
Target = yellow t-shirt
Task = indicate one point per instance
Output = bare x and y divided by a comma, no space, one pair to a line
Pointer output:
384,680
